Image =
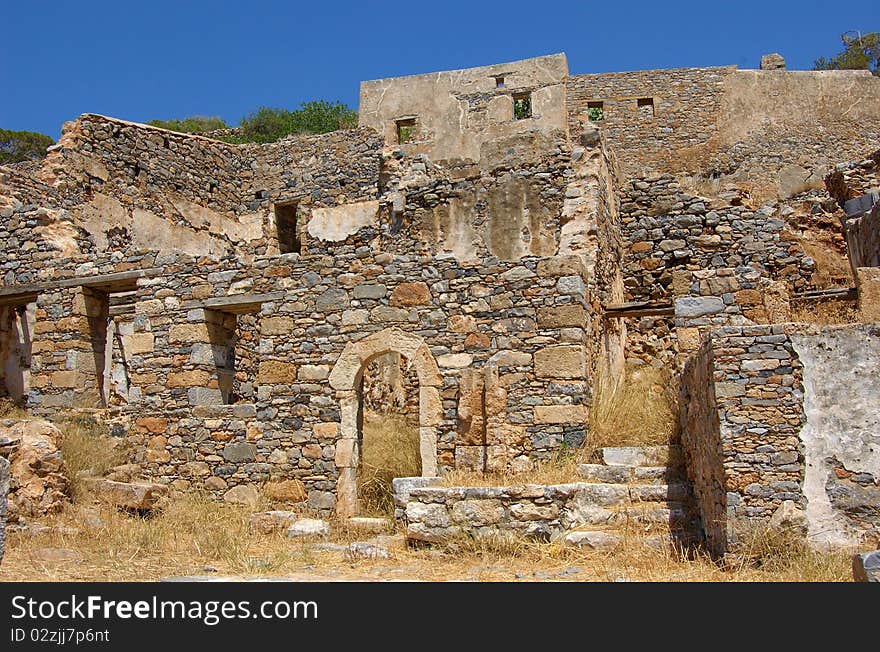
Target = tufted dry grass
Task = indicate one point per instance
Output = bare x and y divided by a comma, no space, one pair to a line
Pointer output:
86,449
194,535
390,449
559,469
640,411
825,313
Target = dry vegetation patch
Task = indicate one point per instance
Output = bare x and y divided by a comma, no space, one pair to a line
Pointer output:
389,449
825,313
641,410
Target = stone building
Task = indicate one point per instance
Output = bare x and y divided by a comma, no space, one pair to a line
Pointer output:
502,232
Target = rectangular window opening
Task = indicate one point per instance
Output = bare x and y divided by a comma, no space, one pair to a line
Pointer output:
522,106
406,130
499,82
595,111
645,107
286,228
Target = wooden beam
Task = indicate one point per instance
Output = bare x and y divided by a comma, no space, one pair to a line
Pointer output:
828,294
635,309
235,304
17,299
118,282
118,311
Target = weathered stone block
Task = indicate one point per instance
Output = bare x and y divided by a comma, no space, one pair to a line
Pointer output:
698,306
240,452
308,527
287,491
277,325
313,372
243,494
192,378
411,294
274,371
571,285
866,566
455,360
561,414
370,291
477,513
401,487
204,396
561,361
571,314
140,496
138,343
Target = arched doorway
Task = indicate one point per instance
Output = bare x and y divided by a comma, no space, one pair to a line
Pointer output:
346,378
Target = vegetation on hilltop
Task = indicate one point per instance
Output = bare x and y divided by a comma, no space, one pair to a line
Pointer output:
196,124
860,52
267,124
18,146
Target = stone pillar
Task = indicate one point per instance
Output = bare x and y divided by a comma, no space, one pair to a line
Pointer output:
773,61
868,282
4,490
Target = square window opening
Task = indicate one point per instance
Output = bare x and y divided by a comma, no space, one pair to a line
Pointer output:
645,107
595,111
499,82
406,130
286,228
522,106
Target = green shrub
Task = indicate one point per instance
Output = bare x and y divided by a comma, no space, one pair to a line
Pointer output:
17,146
266,125
196,124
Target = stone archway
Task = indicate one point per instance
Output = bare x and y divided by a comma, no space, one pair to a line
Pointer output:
345,378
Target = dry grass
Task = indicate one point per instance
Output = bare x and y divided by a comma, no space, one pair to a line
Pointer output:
641,411
825,313
86,449
560,469
832,267
194,532
9,409
390,449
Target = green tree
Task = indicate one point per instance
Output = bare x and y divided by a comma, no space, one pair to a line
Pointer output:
17,146
860,52
196,124
267,124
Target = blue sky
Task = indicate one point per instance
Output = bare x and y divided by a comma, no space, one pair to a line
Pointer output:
161,59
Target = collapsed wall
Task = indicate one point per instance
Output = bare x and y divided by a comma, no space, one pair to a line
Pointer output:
782,420
733,127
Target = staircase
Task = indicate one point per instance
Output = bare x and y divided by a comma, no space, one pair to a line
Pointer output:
636,492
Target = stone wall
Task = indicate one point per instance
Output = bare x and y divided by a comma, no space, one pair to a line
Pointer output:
683,114
4,490
509,209
667,229
797,416
733,125
437,514
453,114
701,444
863,239
134,187
519,325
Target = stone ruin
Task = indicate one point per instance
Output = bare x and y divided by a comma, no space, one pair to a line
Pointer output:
499,236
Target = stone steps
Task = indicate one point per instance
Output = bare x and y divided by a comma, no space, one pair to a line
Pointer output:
673,515
635,486
610,494
643,456
626,474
